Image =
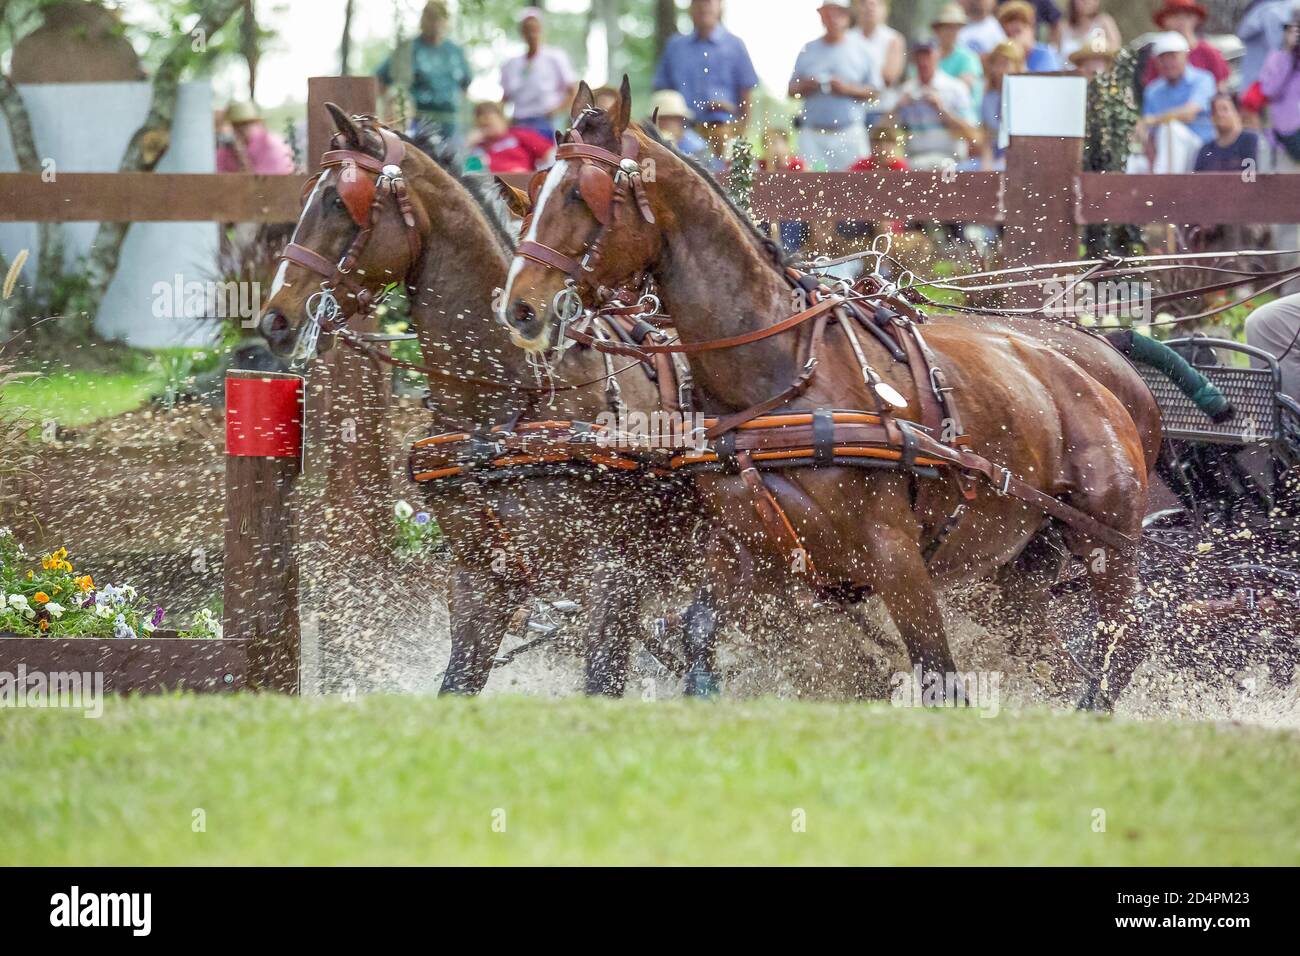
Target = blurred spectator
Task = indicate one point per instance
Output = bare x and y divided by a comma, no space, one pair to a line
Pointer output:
1275,328
1280,82
835,77
671,115
540,81
1095,56
711,68
504,148
1082,19
606,98
434,72
1260,31
1006,60
982,31
935,110
958,61
245,145
778,157
1233,148
1175,107
777,154
888,46
886,152
1046,14
1020,23
1185,17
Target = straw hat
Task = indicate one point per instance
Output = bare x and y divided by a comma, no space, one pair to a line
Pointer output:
670,103
242,111
952,15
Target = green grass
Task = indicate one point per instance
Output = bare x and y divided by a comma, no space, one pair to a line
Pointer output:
74,398
417,780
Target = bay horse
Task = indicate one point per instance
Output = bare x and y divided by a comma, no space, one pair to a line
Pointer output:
451,238
1062,436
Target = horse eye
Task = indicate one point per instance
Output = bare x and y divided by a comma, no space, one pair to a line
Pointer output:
575,194
338,202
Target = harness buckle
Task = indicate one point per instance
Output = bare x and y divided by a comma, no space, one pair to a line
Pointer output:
1005,486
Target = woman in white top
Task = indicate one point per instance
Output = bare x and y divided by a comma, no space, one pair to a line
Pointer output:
888,49
887,44
1082,18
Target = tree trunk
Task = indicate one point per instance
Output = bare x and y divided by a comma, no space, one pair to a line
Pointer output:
147,147
345,46
665,24
609,13
49,235
248,46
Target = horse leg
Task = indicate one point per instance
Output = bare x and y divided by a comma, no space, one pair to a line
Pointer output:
728,566
479,606
1121,640
615,614
899,575
1024,597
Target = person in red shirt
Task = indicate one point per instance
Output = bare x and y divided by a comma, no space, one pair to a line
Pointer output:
504,148
1186,17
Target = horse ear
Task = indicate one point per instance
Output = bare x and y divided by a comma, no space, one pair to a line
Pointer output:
624,117
585,100
516,200
654,118
347,129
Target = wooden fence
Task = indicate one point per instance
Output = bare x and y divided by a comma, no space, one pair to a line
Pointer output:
1041,201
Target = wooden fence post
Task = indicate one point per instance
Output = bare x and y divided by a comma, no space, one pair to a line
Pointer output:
348,400
264,425
1044,159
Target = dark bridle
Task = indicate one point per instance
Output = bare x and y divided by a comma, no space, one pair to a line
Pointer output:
364,197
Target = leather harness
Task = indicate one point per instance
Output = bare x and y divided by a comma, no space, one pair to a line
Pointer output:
747,441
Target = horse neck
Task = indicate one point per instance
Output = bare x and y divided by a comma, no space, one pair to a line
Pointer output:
461,269
716,282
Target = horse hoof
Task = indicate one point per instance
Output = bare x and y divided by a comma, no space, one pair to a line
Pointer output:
701,683
1095,700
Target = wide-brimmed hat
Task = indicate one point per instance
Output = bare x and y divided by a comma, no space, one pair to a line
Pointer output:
670,103
1170,42
242,111
1178,6
951,15
1017,10
1095,46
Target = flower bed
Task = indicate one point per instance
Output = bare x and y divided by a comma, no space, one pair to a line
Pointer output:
54,621
49,598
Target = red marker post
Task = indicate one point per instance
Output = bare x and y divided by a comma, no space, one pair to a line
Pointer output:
264,444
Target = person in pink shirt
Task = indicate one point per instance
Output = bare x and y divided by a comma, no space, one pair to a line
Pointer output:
245,145
540,81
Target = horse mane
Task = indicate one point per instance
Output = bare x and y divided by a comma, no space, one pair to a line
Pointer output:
771,249
480,186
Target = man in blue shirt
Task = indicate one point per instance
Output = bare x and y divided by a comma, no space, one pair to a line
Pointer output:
835,76
711,68
1181,96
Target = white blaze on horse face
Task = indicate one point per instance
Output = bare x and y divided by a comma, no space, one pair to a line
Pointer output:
552,183
278,282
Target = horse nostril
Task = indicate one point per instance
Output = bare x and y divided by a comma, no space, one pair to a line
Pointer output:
275,321
523,313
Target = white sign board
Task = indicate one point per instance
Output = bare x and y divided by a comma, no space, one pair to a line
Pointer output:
1043,106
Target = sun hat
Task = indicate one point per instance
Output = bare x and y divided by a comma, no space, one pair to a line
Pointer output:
670,103
242,111
1170,42
952,15
1171,7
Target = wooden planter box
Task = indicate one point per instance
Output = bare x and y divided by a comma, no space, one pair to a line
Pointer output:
146,665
